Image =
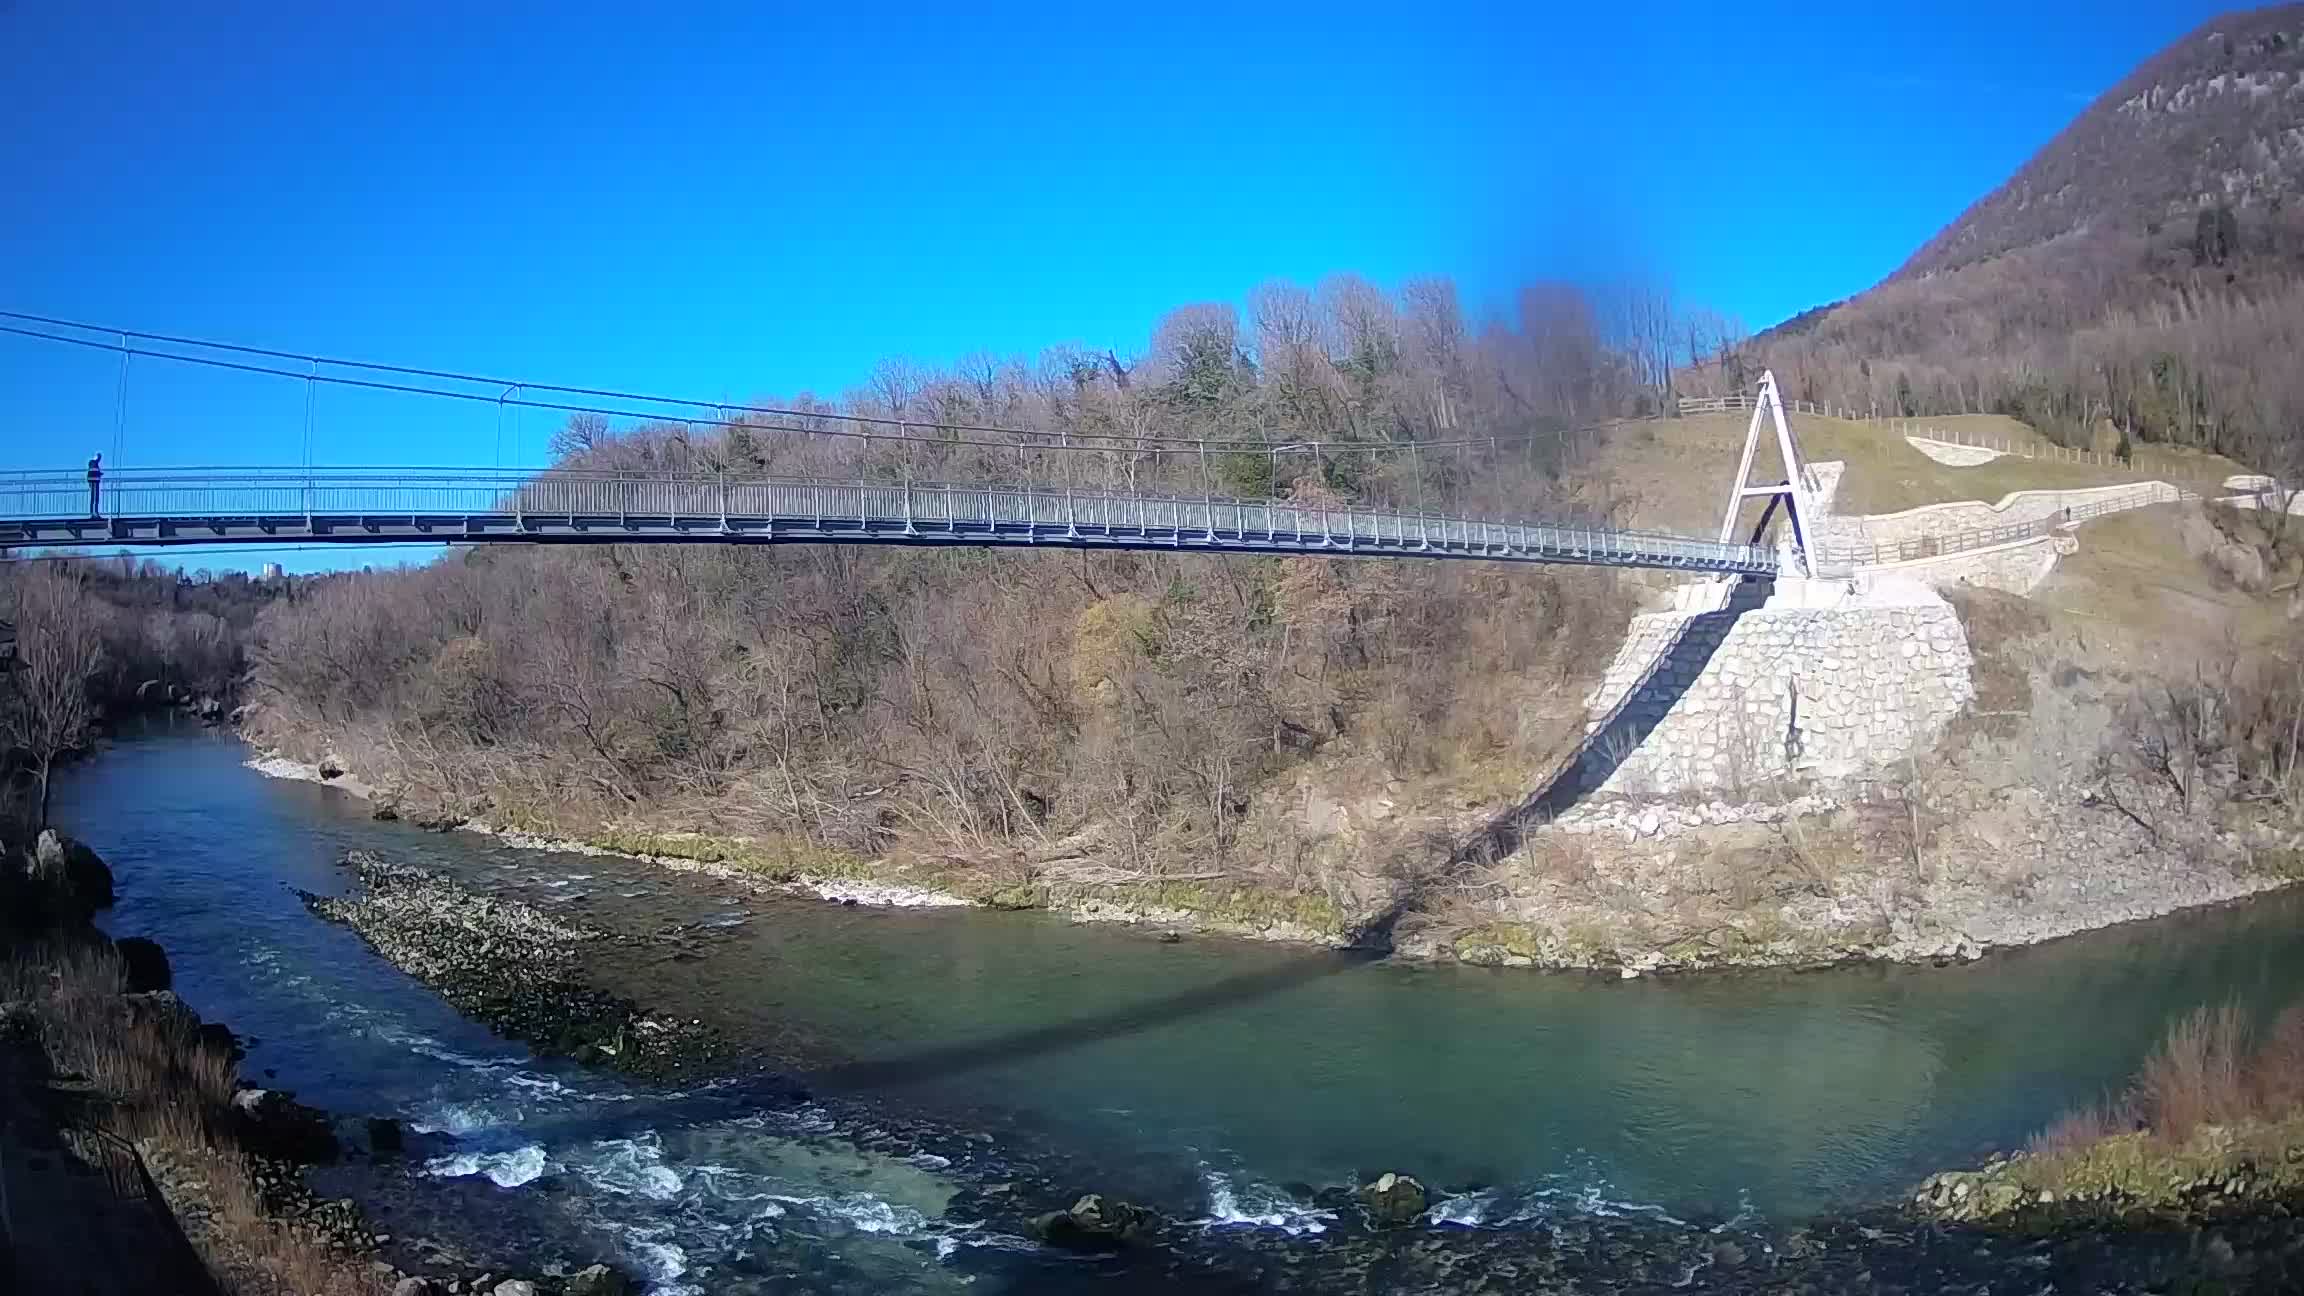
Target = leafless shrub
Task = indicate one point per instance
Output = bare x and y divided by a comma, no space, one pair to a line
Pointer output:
2198,1075
2081,1128
2209,1069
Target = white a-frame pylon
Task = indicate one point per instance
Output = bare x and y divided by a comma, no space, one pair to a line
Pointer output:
1793,490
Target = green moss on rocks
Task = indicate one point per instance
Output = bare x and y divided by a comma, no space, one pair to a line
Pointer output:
778,858
1230,908
1014,895
1500,944
2129,1171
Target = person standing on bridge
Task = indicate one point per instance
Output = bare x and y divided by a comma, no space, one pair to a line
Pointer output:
95,484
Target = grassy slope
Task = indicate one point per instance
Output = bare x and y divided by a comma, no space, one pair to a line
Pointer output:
2132,572
1674,473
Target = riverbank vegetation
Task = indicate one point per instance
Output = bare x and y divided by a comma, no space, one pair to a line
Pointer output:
129,1083
2214,1115
125,1118
84,641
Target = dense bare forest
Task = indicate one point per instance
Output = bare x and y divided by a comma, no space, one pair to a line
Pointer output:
1139,710
84,640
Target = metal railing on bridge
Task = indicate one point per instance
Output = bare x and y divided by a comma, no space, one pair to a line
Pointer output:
370,505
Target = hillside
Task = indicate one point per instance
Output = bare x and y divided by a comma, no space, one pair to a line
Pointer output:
2136,280
2216,119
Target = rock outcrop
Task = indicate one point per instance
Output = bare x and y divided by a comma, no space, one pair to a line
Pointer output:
1394,1200
1094,1223
69,881
143,964
273,1123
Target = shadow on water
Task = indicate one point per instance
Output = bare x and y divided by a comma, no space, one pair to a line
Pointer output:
1015,1046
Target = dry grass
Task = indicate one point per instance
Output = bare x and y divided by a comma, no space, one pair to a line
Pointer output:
2210,1070
1673,473
145,1076
2199,1076
2081,1128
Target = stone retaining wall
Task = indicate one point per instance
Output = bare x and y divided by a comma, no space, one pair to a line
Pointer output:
1944,521
2017,568
1720,702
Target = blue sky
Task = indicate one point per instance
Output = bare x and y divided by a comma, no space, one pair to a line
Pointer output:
743,200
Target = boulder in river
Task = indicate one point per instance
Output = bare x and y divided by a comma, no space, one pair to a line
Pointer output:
331,768
515,1287
1394,1200
70,880
1095,1223
597,1280
273,1123
143,964
414,1287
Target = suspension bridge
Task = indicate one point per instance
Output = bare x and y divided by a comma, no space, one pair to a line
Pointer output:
561,504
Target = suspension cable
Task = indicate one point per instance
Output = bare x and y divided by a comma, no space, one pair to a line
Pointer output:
1154,444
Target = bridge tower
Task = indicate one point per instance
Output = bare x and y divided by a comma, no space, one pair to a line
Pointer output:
1793,493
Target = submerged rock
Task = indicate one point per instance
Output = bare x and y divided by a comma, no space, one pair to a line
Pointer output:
1394,1200
1095,1223
597,1280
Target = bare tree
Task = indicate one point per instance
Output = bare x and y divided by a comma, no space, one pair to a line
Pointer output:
59,646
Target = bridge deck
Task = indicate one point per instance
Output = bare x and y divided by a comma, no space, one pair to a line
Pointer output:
160,507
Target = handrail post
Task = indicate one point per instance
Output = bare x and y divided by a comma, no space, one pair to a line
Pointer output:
723,486
1207,495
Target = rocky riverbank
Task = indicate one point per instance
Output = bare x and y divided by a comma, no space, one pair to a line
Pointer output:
2245,1165
1629,892
515,969
123,1118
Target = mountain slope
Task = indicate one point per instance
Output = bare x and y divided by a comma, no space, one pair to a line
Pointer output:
2140,279
2215,119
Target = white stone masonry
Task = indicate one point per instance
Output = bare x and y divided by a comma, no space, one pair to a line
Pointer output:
1723,702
